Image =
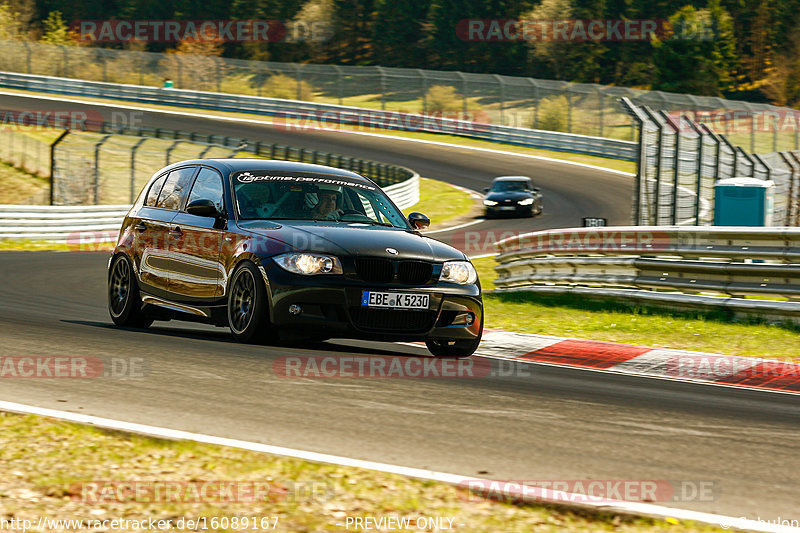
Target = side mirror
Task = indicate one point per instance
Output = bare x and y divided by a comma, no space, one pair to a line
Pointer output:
418,220
486,189
536,189
203,208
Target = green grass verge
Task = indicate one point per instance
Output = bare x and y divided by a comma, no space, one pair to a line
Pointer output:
573,316
18,187
441,202
49,464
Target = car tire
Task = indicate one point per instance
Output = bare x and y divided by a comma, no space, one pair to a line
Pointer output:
124,300
248,307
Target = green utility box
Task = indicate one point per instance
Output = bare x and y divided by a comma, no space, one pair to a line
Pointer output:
743,202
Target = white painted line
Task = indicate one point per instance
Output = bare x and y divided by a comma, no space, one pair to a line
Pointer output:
482,256
289,127
464,225
530,494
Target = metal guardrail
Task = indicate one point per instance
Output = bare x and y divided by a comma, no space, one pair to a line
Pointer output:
665,264
291,110
82,226
61,223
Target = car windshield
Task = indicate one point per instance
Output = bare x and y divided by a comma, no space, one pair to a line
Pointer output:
266,195
509,186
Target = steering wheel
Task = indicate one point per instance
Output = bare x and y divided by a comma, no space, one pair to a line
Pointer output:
351,212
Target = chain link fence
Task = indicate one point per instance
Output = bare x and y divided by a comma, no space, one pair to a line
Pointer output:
111,164
680,161
586,109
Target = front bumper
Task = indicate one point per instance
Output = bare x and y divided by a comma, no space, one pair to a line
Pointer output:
509,210
331,307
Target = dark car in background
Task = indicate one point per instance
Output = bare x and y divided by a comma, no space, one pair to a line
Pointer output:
273,249
512,196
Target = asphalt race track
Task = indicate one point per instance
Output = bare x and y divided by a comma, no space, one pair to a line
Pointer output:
533,422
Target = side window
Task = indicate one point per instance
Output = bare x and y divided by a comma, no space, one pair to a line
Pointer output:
175,188
155,189
208,186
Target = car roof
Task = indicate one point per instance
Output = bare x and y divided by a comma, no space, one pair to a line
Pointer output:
511,178
226,166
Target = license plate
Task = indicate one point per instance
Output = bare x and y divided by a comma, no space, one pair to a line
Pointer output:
402,300
508,207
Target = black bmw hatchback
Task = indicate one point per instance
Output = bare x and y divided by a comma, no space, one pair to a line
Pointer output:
512,195
275,249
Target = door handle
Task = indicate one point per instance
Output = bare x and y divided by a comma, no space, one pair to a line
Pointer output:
141,226
175,232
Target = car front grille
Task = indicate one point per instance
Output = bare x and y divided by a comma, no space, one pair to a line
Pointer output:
378,270
375,270
414,272
399,320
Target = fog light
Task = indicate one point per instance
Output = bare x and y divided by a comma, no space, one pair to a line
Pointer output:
295,309
463,319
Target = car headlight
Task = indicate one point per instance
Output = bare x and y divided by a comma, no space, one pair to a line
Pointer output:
309,264
489,202
461,272
526,201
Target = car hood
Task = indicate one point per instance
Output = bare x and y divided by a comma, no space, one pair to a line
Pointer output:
509,195
353,240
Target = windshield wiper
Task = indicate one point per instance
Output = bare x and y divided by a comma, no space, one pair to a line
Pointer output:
373,222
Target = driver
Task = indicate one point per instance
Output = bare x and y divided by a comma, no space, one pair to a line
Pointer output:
325,202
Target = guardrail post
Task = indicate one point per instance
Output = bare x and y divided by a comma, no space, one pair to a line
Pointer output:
503,98
205,151
796,199
536,103
133,167
172,147
299,75
97,168
758,159
641,170
749,159
383,88
675,163
699,166
659,152
601,109
792,178
53,165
